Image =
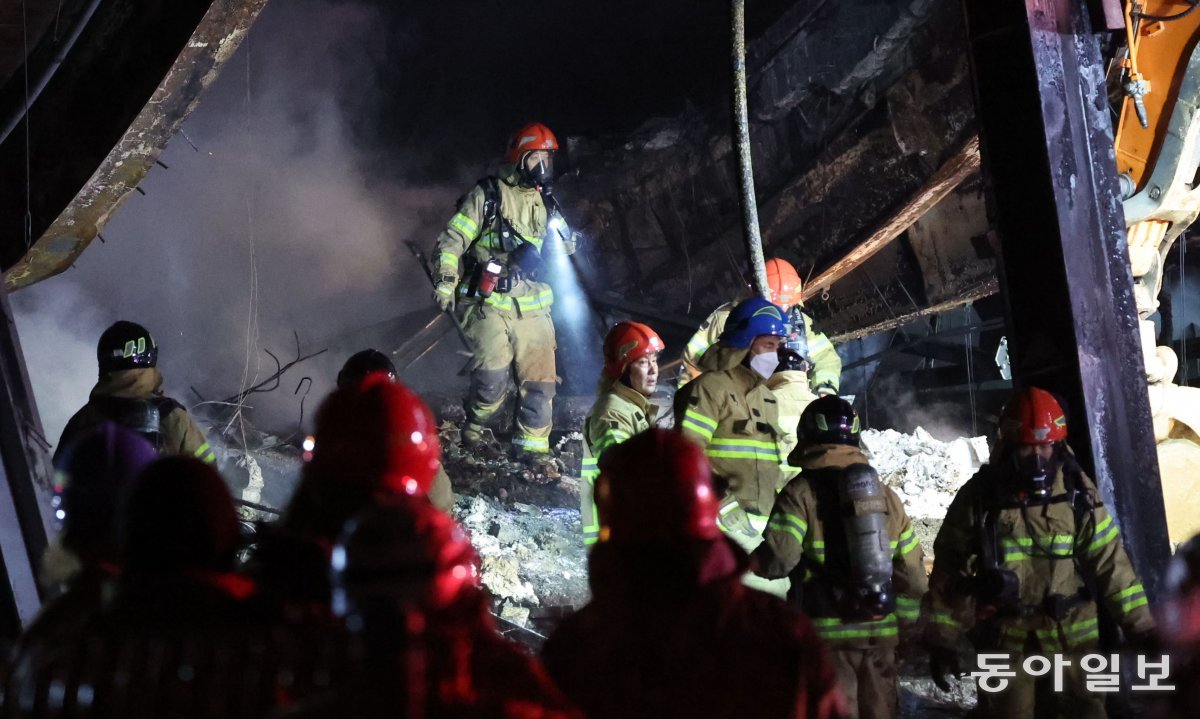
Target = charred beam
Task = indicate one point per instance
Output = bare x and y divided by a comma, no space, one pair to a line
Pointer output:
88,152
957,169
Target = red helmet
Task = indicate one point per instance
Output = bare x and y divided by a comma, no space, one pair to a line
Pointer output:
531,137
380,434
403,554
1033,416
656,486
628,342
784,282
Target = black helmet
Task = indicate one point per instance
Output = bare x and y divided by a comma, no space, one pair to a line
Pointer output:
362,364
126,345
829,420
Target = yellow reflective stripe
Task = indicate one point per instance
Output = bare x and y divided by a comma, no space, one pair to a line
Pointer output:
448,258
698,423
1018,548
465,225
729,448
944,619
608,439
443,290
908,541
545,298
833,628
708,422
789,523
699,344
1131,598
1074,634
205,454
908,608
1106,532
532,444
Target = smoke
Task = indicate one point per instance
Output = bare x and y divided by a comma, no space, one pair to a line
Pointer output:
904,410
264,224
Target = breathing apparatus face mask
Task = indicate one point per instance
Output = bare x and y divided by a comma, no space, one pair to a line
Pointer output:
538,168
1034,474
764,364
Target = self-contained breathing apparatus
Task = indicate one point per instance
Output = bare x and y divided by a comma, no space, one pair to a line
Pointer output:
143,416
864,520
524,258
797,339
996,588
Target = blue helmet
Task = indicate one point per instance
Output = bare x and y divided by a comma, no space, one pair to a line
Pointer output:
751,318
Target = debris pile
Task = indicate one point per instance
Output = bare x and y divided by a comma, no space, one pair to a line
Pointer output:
924,471
532,558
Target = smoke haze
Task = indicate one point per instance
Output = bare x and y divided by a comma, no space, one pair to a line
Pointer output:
269,227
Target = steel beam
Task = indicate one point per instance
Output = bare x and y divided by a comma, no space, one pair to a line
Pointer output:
25,483
1050,170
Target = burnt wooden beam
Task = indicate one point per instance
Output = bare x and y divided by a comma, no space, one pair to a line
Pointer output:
136,71
950,175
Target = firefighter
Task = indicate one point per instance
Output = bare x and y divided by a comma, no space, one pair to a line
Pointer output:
129,392
623,407
823,374
488,261
733,415
378,438
406,583
83,560
370,361
671,631
1026,553
860,566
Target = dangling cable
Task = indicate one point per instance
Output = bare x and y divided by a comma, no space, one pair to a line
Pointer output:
27,224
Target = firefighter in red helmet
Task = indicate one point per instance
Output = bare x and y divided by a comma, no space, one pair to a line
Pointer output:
623,407
822,372
488,267
1024,557
670,625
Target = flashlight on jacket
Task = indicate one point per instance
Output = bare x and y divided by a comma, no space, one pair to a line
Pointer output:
489,278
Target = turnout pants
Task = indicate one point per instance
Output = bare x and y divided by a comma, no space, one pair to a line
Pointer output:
868,679
507,345
1029,696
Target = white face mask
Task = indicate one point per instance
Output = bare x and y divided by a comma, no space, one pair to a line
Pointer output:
765,363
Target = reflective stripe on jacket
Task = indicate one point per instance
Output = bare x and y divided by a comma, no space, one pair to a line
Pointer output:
805,524
734,416
1049,555
619,413
465,236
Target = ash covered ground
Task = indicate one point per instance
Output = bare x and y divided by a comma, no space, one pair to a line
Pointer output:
525,525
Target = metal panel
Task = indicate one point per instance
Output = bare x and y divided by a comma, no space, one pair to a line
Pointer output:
25,483
1053,193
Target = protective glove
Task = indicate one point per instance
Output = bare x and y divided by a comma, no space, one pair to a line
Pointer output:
443,294
943,661
733,519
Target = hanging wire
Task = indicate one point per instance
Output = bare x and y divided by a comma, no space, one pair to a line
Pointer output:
27,224
252,328
1182,312
971,370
